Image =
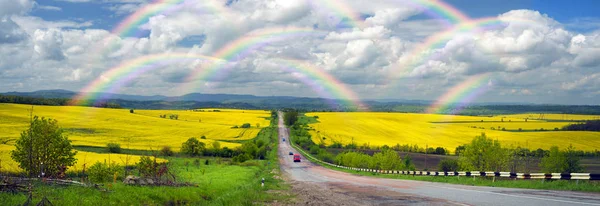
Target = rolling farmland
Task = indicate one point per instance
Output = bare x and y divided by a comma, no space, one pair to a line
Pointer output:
144,130
448,131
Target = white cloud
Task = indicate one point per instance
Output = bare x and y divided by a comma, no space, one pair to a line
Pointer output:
376,32
48,8
48,44
15,7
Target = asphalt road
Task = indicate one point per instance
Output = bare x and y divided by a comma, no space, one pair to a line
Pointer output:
381,191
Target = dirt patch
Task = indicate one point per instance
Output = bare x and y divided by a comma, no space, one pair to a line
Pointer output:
339,193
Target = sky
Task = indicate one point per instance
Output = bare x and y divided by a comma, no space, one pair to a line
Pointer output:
530,51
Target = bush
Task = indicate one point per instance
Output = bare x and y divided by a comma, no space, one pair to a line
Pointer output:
245,125
314,149
131,111
103,172
166,151
114,147
203,137
448,165
147,167
241,158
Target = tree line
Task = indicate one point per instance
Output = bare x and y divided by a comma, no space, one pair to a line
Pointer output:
53,101
590,125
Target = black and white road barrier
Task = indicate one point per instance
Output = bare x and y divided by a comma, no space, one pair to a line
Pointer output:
512,175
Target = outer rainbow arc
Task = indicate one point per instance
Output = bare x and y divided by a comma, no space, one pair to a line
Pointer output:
335,86
125,69
462,91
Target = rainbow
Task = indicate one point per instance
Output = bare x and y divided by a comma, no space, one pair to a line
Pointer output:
239,48
122,73
345,12
440,10
462,94
320,81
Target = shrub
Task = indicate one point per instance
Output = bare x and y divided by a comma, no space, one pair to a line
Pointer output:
131,111
101,172
203,137
245,125
241,158
234,127
147,167
114,147
166,151
448,165
314,149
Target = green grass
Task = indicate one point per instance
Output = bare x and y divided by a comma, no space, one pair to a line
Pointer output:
217,184
215,181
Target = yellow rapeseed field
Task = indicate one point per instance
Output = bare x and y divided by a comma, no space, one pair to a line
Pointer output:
447,131
143,129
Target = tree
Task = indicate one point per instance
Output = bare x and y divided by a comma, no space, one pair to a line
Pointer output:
483,154
459,150
556,161
131,111
408,164
193,147
448,165
388,160
44,149
440,151
216,146
572,160
290,117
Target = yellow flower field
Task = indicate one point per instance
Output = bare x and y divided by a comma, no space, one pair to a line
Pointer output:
144,129
447,131
86,159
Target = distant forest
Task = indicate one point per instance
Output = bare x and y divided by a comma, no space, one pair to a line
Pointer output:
591,125
302,104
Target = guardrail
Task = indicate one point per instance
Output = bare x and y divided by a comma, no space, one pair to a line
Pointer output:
547,176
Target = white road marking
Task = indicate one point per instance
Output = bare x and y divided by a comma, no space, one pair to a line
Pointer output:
520,196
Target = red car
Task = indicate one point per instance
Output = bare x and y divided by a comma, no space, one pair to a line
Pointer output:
296,158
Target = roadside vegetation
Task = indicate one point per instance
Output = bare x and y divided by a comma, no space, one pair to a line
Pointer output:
482,153
199,174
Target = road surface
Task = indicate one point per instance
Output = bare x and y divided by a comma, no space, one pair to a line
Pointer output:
317,185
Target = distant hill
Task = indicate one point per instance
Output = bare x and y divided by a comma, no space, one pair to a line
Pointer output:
198,100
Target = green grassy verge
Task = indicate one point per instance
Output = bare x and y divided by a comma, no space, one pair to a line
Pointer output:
567,185
218,183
